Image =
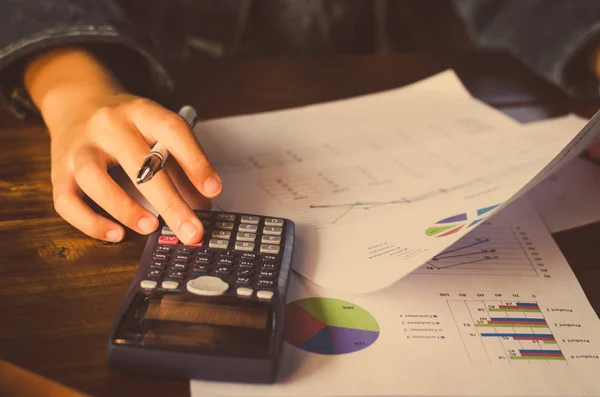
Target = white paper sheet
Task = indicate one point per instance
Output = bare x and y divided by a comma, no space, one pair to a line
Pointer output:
570,198
500,313
374,175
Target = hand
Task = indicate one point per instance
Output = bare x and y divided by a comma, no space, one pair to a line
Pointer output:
95,124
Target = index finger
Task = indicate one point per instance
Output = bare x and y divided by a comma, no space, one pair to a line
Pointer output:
174,133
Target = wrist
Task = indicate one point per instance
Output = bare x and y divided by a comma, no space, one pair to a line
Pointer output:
62,79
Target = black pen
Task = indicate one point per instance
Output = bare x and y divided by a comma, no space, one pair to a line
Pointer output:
155,160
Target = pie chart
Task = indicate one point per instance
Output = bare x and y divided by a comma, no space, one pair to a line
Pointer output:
455,223
329,326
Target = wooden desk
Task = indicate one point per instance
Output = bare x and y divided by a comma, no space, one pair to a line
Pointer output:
59,289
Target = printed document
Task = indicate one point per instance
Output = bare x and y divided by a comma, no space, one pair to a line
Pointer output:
498,313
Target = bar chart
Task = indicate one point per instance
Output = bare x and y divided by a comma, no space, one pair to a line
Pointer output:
505,332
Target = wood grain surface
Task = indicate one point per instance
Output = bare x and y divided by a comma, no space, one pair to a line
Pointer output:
59,290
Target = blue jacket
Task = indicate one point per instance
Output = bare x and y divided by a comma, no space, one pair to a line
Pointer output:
547,35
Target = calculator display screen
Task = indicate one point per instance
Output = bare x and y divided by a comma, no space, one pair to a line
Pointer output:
181,321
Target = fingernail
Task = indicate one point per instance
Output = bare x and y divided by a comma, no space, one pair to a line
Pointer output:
188,229
146,225
113,235
212,186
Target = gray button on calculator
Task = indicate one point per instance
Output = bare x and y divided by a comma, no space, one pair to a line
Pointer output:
253,220
269,249
166,231
216,243
272,230
170,284
264,294
148,284
266,239
207,286
243,291
273,222
244,246
221,234
224,225
246,237
245,228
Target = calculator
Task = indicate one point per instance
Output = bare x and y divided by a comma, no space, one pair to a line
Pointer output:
212,310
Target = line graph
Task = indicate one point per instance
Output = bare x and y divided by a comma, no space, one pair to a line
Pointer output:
488,250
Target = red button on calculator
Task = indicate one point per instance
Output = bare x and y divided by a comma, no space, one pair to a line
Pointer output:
168,240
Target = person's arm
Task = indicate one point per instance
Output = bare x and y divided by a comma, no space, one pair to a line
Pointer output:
52,51
557,39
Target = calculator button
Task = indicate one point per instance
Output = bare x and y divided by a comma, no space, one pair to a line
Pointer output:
154,273
182,258
264,295
269,249
160,257
166,231
246,263
216,243
201,269
272,230
168,240
226,259
148,284
266,239
262,283
170,284
203,259
244,246
269,265
269,257
207,286
226,217
157,265
203,214
253,220
246,237
274,222
244,228
249,255
242,291
186,249
224,225
179,266
164,249
243,281
266,274
176,275
221,234
223,270
244,272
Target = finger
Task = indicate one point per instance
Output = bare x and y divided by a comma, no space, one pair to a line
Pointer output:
70,206
594,151
185,187
130,149
173,131
92,177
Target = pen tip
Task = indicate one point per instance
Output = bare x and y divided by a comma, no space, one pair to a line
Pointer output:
144,175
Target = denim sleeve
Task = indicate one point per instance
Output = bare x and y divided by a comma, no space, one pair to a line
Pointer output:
552,37
28,27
